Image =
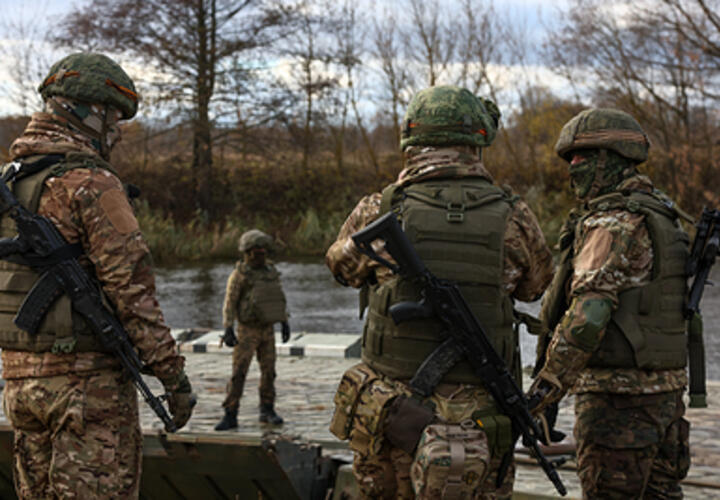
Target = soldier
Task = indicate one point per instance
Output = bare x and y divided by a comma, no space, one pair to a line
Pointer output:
74,411
466,229
255,298
616,308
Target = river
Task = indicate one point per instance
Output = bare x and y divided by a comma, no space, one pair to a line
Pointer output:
192,296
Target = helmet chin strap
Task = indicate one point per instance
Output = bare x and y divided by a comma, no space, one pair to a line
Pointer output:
104,146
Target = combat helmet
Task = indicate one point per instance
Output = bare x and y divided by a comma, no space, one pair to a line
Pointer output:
604,128
449,115
255,238
94,78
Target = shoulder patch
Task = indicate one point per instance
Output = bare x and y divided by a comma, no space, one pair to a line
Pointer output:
117,208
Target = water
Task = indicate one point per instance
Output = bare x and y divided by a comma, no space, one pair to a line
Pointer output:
192,296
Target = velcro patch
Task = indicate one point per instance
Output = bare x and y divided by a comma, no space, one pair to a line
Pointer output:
117,208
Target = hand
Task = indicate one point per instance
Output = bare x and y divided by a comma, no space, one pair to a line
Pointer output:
229,338
181,400
547,421
285,331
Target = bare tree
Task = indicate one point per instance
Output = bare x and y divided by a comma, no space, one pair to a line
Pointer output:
25,55
430,40
310,53
644,63
396,77
191,50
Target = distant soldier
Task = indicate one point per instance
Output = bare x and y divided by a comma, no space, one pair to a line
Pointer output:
73,409
615,310
465,229
254,298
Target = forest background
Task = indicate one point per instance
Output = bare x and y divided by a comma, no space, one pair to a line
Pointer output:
281,115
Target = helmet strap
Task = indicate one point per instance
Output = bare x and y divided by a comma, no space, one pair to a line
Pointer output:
104,147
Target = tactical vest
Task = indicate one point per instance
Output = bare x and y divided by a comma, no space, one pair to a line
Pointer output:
263,301
457,227
62,330
647,330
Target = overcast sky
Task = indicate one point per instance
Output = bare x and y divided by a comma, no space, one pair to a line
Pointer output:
533,15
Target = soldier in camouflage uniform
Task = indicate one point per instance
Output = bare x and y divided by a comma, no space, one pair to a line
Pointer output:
74,411
467,229
255,298
616,308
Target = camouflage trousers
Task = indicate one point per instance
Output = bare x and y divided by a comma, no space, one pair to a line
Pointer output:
258,340
384,471
631,446
387,475
76,436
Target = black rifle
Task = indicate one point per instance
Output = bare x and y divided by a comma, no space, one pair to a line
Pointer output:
40,245
442,299
702,257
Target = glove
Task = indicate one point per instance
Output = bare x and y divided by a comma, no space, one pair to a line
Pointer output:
550,417
181,400
545,413
285,331
229,338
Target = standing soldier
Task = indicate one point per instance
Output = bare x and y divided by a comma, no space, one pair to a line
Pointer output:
255,298
73,409
465,229
615,310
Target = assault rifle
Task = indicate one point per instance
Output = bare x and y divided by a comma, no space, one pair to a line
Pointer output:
442,300
702,257
40,245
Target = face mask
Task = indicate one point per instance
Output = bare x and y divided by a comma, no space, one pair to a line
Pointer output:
583,169
256,256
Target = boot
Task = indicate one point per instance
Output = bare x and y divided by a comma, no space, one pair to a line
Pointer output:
268,415
229,421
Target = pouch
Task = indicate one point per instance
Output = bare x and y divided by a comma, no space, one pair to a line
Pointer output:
451,461
406,419
366,433
347,397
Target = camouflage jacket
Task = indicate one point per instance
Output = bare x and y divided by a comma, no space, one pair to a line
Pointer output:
613,252
89,206
527,268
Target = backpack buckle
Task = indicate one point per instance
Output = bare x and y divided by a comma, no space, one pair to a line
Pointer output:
455,212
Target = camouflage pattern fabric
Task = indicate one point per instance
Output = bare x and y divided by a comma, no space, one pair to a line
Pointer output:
258,340
383,471
613,252
76,436
603,128
527,267
449,115
631,446
90,206
90,77
451,462
48,133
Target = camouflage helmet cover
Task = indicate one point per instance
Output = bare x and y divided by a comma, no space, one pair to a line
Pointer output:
449,115
255,238
91,78
604,128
